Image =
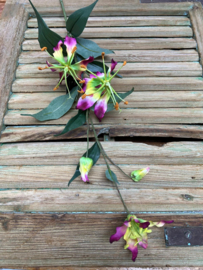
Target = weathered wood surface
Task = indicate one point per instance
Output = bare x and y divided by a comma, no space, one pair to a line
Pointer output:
56,177
171,69
64,153
53,239
139,84
142,99
13,17
116,268
47,133
123,55
112,32
118,21
196,15
129,44
128,116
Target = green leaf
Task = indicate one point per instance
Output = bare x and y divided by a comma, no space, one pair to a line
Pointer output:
57,108
110,106
110,175
93,153
75,122
46,37
78,19
87,48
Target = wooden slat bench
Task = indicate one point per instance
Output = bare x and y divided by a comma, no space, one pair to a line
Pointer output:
44,223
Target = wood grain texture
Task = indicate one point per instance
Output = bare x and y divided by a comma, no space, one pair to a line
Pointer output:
64,153
115,32
176,69
196,15
54,240
56,177
129,44
123,55
47,133
118,21
143,99
139,84
116,268
13,21
128,116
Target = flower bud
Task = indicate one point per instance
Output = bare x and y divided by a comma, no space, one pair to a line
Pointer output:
137,175
85,166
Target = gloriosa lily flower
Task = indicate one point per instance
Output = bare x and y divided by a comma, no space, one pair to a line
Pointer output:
134,232
97,89
137,175
85,166
67,67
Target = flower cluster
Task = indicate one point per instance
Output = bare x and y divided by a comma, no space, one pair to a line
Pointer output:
134,231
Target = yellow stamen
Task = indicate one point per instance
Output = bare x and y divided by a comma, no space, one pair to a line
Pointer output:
83,66
116,106
124,63
103,53
55,88
44,49
42,68
84,96
81,91
126,102
74,49
83,81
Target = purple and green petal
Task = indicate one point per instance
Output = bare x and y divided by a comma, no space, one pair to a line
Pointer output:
160,223
144,225
85,166
132,246
58,52
70,43
120,231
113,65
101,106
81,66
87,102
50,65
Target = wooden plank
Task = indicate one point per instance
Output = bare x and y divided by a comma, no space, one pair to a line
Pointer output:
196,15
127,116
139,84
112,32
160,176
101,200
123,55
64,153
13,21
118,21
47,133
143,99
130,44
174,69
48,241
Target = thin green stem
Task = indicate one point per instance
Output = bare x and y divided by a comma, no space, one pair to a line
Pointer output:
63,9
88,129
105,156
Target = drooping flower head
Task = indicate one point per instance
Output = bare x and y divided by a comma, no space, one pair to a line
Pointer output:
85,166
66,66
134,231
97,89
137,175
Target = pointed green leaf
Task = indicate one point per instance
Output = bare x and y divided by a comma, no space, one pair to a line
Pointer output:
57,108
46,37
93,153
110,175
110,106
75,122
78,19
87,48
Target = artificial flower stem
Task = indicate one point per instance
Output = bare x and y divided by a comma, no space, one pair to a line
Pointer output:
95,75
116,164
104,156
63,9
88,129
